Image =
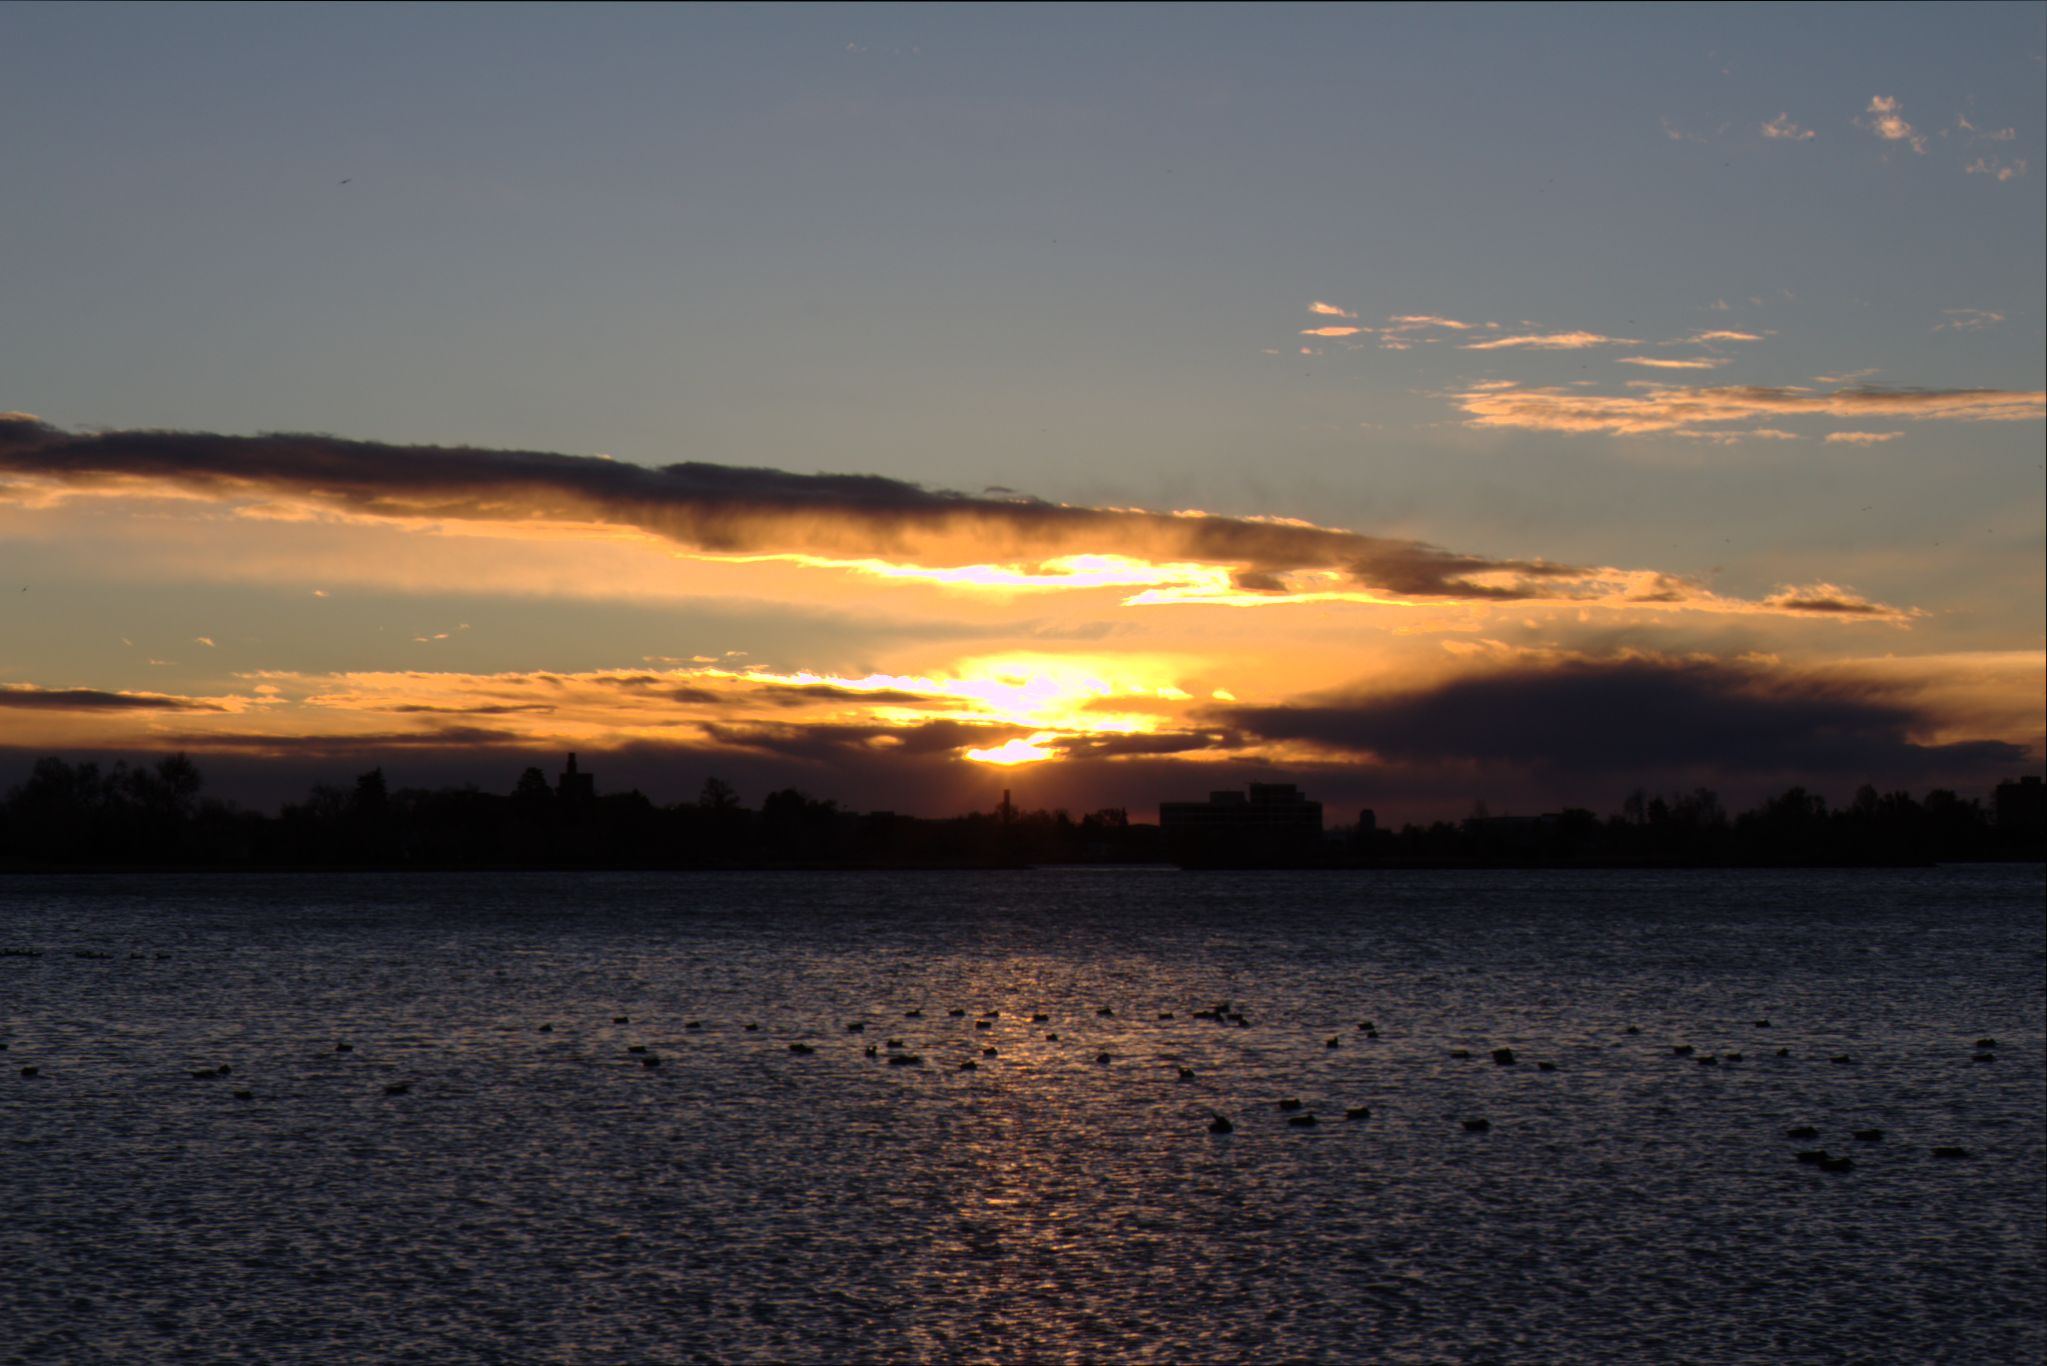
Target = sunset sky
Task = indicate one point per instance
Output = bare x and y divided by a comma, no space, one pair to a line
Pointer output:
1422,405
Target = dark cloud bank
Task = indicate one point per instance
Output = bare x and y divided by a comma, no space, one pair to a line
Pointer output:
732,509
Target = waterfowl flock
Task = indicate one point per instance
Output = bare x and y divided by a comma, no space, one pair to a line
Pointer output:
1294,1111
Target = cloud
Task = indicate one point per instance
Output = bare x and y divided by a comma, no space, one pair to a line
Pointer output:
1968,320
1636,718
1724,335
1994,166
26,697
1888,124
1657,407
1664,363
1976,134
1330,310
860,523
1333,331
1862,438
1551,341
1782,129
1827,599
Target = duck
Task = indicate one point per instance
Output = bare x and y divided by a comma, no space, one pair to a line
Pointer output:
913,1014
1545,1067
1682,1050
1165,1014
397,1088
1942,1151
344,1048
1460,1053
650,1062
1105,1011
801,1049
1870,1135
1333,1043
1810,1156
969,1065
1477,1126
621,1019
1186,1074
905,1060
857,1027
873,1052
1104,1058
1802,1131
1358,1112
636,1048
1837,1164
1290,1103
1307,1121
1503,1057
1220,1125
990,1052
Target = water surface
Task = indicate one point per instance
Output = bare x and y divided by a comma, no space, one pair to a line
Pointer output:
540,1195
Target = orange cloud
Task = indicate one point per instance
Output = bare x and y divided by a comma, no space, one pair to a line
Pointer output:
1782,129
1673,408
1551,341
1330,310
1668,363
1861,438
1333,331
1887,123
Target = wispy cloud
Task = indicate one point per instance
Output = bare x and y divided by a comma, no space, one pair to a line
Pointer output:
1675,363
1862,438
1333,331
1976,134
1998,167
1968,320
1722,334
1330,310
1679,408
1887,123
26,697
1426,320
1782,129
1552,341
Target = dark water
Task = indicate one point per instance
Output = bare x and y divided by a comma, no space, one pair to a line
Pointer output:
546,1196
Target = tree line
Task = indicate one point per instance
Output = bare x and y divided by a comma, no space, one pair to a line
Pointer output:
158,815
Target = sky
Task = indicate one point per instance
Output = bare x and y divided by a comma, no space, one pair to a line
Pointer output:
1425,405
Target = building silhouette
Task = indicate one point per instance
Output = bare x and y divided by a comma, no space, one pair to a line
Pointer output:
1269,821
575,788
2022,807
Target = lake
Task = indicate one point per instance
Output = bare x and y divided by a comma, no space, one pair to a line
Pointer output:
448,1149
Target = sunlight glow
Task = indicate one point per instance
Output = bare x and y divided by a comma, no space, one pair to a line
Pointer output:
1028,751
